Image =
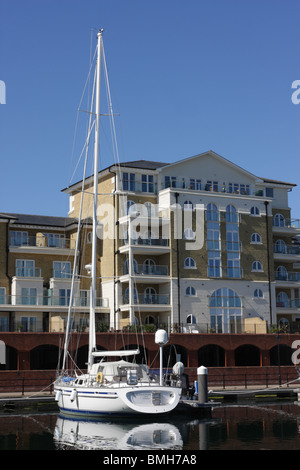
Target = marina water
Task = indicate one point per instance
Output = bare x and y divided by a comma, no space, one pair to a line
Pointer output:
249,426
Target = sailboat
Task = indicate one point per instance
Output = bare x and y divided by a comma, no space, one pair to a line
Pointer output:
112,385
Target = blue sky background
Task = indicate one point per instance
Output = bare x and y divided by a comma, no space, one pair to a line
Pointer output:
186,76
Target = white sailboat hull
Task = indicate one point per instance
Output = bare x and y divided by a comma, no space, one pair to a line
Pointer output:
137,400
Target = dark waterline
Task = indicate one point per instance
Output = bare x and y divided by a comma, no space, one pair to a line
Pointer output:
253,426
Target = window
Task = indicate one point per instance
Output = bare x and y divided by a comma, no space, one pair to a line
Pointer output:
2,295
257,266
281,273
28,323
170,181
190,291
150,296
147,184
280,247
64,296
18,238
131,207
282,300
135,266
255,211
278,220
135,295
256,238
84,298
149,266
211,186
231,214
212,212
225,311
28,296
55,240
191,320
195,184
128,182
237,188
62,269
258,294
189,263
269,192
25,268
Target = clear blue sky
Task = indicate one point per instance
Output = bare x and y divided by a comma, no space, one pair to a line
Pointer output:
186,76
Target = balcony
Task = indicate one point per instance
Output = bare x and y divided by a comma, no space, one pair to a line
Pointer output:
288,303
31,301
40,244
285,226
147,302
155,246
147,270
286,278
286,252
28,272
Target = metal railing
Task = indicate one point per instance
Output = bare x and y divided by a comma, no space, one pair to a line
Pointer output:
287,249
149,270
287,276
50,300
42,241
148,299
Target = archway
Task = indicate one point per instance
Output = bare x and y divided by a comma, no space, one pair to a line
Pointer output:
211,355
247,355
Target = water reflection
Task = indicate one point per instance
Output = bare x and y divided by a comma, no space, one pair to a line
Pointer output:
88,434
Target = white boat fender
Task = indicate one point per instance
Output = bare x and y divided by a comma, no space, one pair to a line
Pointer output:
73,394
178,368
57,395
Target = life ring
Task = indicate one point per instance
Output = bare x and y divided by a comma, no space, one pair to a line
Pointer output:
99,377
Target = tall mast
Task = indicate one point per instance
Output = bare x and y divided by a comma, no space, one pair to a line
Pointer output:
93,294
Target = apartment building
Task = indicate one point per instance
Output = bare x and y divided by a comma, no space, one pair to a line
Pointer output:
36,263
200,243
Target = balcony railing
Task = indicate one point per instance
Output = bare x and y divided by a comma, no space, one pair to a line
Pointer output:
287,276
50,301
148,299
287,249
42,242
28,272
152,270
288,303
286,223
147,242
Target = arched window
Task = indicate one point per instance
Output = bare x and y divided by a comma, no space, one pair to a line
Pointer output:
281,273
150,296
135,296
278,220
149,266
280,246
135,266
225,311
231,214
189,263
212,212
190,290
255,238
258,294
254,211
191,320
257,266
282,300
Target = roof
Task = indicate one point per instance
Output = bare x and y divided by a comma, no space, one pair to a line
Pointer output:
41,220
267,180
143,164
